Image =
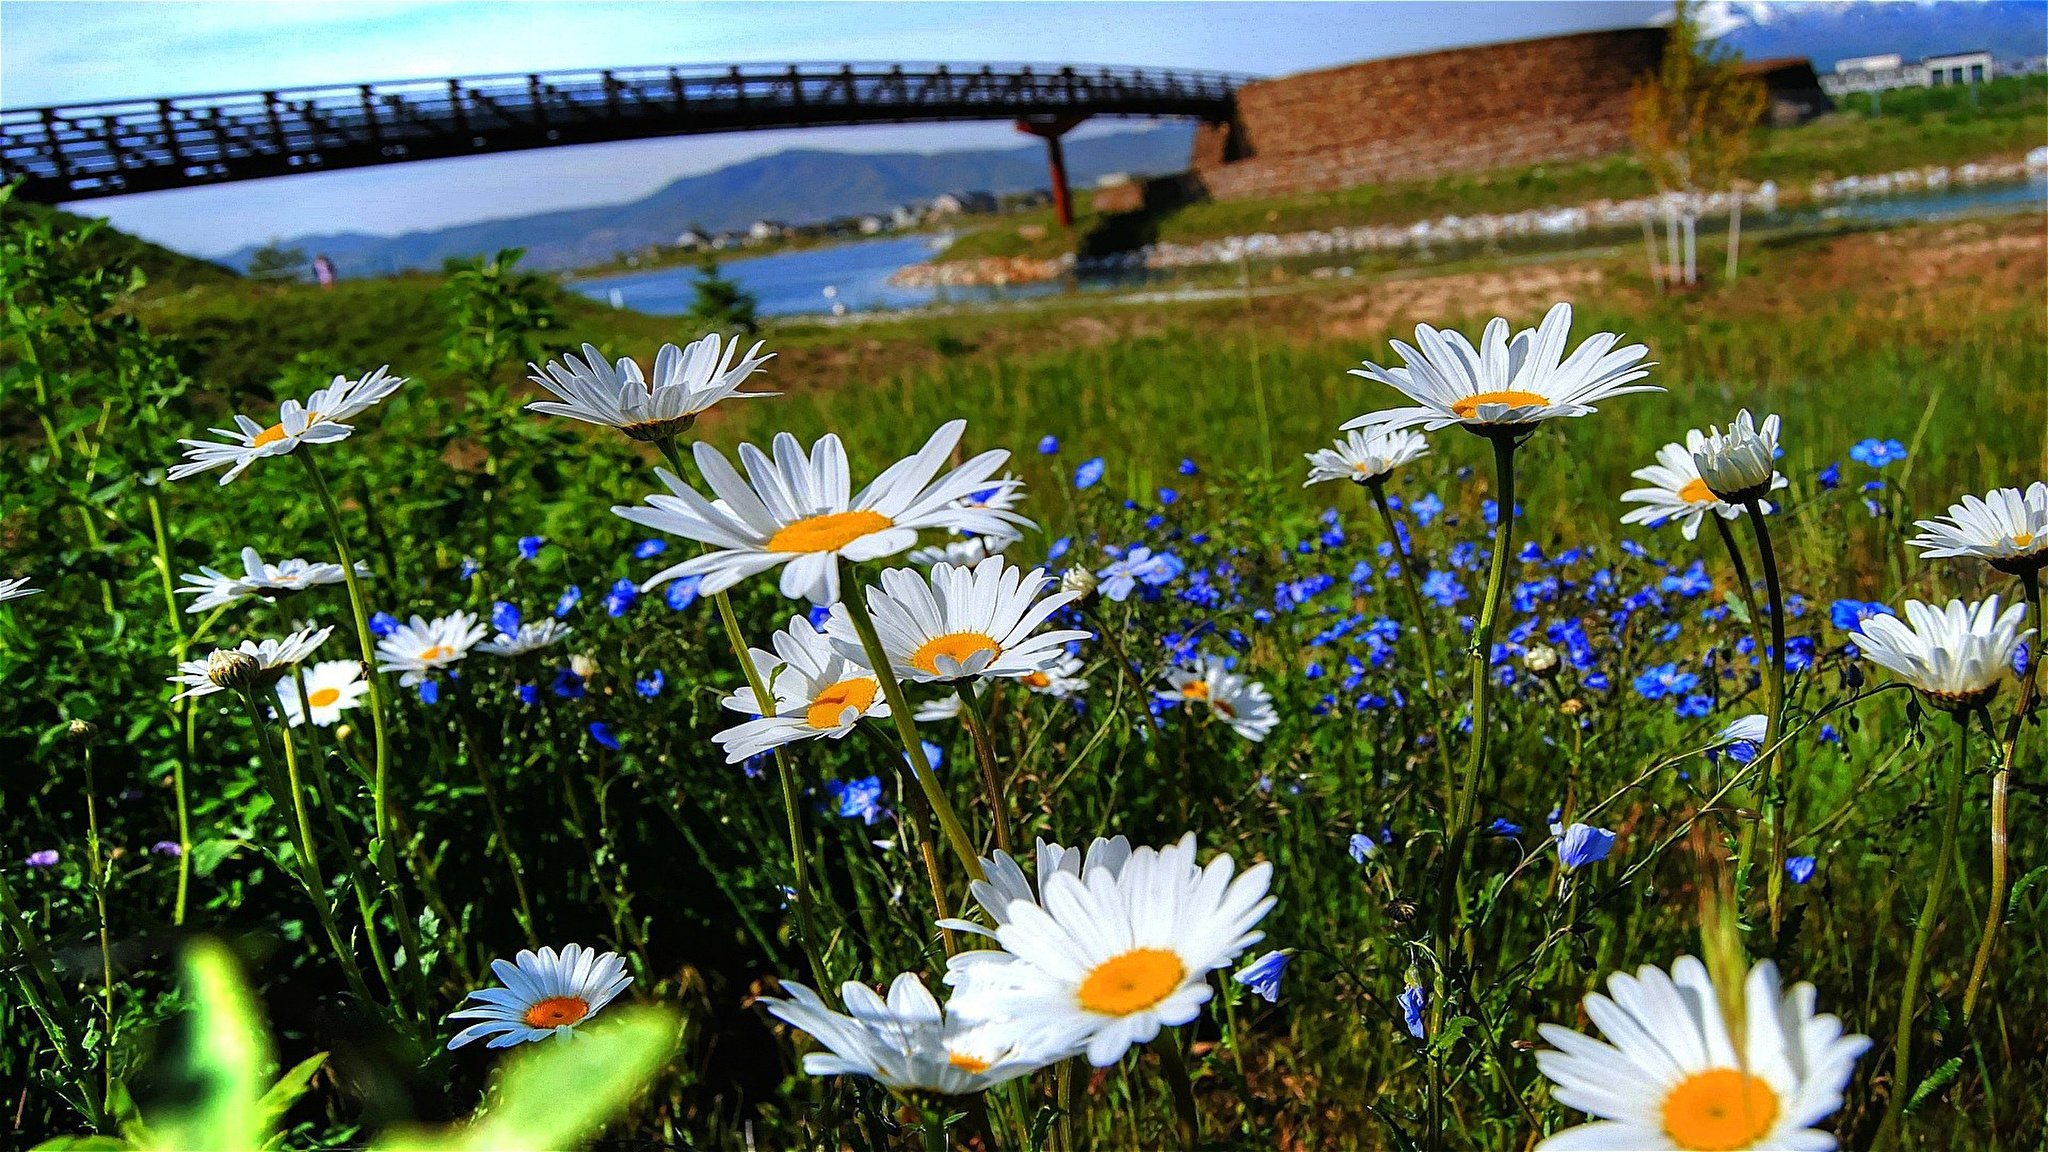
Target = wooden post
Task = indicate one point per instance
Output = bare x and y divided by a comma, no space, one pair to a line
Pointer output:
1050,129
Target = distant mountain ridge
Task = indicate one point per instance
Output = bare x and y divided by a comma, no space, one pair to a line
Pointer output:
1831,30
797,186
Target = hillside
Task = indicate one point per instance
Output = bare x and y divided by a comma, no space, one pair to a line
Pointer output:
164,268
1840,29
796,186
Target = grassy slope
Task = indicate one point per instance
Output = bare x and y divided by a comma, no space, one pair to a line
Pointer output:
166,270
1936,126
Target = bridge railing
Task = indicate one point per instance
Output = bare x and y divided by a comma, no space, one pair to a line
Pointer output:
105,148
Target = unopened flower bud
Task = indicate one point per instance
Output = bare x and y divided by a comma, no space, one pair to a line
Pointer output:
233,669
583,666
83,731
1572,706
1078,580
1540,660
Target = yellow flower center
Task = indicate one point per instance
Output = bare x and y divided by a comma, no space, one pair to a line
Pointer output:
956,646
1468,405
825,711
322,697
966,1063
1697,492
1037,680
275,432
1719,1111
827,533
437,652
1222,709
1195,690
1131,982
2022,539
556,1011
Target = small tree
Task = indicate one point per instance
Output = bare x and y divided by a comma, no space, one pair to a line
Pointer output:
1693,121
494,311
721,303
273,261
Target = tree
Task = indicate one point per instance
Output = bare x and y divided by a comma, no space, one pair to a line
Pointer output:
1693,123
273,261
721,303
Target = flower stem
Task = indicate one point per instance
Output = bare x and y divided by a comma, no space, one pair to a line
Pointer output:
184,810
1761,647
96,875
365,906
985,752
1774,817
2001,785
1916,960
1182,1087
1425,636
906,732
386,857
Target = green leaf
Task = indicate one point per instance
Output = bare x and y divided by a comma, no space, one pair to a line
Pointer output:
1737,608
2019,889
226,1062
558,1094
285,1093
1935,1082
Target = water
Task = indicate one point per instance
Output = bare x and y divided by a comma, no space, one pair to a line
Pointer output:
857,273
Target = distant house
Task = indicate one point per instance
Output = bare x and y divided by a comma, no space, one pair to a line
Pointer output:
1889,71
763,230
956,203
691,238
1957,68
725,240
871,224
1794,88
906,215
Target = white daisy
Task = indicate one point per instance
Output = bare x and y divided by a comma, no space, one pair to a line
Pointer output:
817,691
1006,883
962,553
1058,680
1243,704
2007,528
939,710
1000,496
1675,492
261,578
1505,385
531,637
1737,465
1671,1076
1954,655
906,1042
797,511
420,648
961,623
544,995
332,687
1113,956
322,419
1365,456
16,589
686,381
221,668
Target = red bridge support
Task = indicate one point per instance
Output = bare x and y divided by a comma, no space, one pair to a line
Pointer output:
1050,129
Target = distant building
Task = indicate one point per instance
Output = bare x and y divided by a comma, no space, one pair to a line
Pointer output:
1889,71
1795,90
764,230
956,203
691,238
725,240
1957,68
906,215
871,224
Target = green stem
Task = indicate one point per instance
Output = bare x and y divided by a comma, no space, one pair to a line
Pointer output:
385,856
171,611
985,752
1761,647
2001,785
906,731
1425,635
1774,882
1916,960
366,907
97,874
1182,1086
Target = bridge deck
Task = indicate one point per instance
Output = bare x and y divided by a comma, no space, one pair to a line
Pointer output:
79,152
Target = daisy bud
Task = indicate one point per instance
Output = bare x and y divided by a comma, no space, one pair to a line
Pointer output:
1572,706
82,731
1738,465
1541,660
1078,580
583,666
233,669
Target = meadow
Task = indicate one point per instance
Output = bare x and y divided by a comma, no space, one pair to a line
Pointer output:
186,878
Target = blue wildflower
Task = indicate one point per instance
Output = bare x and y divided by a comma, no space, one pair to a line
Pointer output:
1503,829
505,617
528,695
1059,548
1799,868
1047,445
602,733
621,598
1427,509
1414,1001
469,568
530,546
1878,453
430,691
383,624
568,685
1661,680
1362,847
651,685
862,798
1581,844
1187,467
1167,496
571,596
1694,706
1829,478
1262,975
649,549
1848,615
1443,588
683,593
1089,474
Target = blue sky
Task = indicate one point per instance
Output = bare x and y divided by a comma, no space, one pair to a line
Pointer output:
74,52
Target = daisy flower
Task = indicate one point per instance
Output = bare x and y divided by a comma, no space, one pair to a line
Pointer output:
1005,882
261,578
250,664
2006,528
1112,957
332,686
1504,385
1058,680
798,512
544,995
16,589
817,690
963,553
1671,1075
686,381
939,710
962,623
1674,491
907,1043
1736,465
1001,496
322,419
1243,704
532,637
420,648
1365,456
1953,655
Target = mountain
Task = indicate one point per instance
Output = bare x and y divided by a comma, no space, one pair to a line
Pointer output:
798,186
1831,30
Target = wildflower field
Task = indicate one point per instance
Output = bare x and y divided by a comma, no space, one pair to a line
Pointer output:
1597,727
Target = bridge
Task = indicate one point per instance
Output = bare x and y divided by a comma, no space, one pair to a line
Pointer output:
86,151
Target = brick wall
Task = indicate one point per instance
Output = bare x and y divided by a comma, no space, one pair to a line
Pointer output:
1469,109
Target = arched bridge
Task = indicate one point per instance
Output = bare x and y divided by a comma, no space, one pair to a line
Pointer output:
83,151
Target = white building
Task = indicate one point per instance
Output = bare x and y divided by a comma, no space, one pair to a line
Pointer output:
762,230
691,238
955,203
1891,70
1957,68
869,225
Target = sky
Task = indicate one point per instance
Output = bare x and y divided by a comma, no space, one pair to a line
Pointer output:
66,51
